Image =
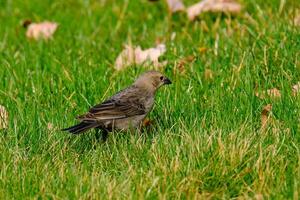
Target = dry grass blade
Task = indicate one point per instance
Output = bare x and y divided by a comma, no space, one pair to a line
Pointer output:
3,118
296,89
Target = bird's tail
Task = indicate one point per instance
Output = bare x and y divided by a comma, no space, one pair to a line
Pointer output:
80,128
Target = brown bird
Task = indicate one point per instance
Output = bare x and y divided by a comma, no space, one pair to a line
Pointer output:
126,109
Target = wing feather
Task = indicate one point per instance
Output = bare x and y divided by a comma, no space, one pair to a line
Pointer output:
125,104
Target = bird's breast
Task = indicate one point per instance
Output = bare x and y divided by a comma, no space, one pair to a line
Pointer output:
149,102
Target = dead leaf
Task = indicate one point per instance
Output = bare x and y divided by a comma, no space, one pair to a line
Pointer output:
296,89
181,65
159,40
258,196
265,116
297,20
147,122
26,23
175,5
273,93
202,49
151,54
125,58
228,6
3,118
43,30
131,55
208,74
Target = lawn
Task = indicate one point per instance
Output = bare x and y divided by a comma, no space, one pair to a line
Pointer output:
205,140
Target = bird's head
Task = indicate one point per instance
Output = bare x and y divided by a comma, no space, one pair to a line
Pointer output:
152,80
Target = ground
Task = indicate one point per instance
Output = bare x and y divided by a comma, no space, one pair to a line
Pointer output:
206,138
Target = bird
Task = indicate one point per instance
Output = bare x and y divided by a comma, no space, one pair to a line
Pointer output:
125,110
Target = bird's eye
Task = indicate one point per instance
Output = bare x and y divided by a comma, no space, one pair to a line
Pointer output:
161,78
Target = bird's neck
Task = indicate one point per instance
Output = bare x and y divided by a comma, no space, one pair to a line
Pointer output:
147,88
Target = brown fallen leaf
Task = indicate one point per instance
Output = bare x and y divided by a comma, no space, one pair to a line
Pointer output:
175,5
125,58
265,116
159,40
151,54
182,63
202,49
296,89
147,122
26,23
297,20
180,67
43,30
228,6
3,118
147,125
259,196
190,58
273,93
131,55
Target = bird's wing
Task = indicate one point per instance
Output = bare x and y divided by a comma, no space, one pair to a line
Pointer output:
125,104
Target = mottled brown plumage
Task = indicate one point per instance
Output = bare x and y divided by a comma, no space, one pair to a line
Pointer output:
124,110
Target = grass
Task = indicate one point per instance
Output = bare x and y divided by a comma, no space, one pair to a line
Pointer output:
206,141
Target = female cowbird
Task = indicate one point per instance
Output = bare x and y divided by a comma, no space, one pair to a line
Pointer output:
124,110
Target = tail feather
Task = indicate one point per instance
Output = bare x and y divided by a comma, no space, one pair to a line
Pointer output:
80,128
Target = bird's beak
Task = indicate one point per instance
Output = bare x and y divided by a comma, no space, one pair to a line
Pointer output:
167,81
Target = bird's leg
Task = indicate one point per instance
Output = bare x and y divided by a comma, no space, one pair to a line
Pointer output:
104,134
98,130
